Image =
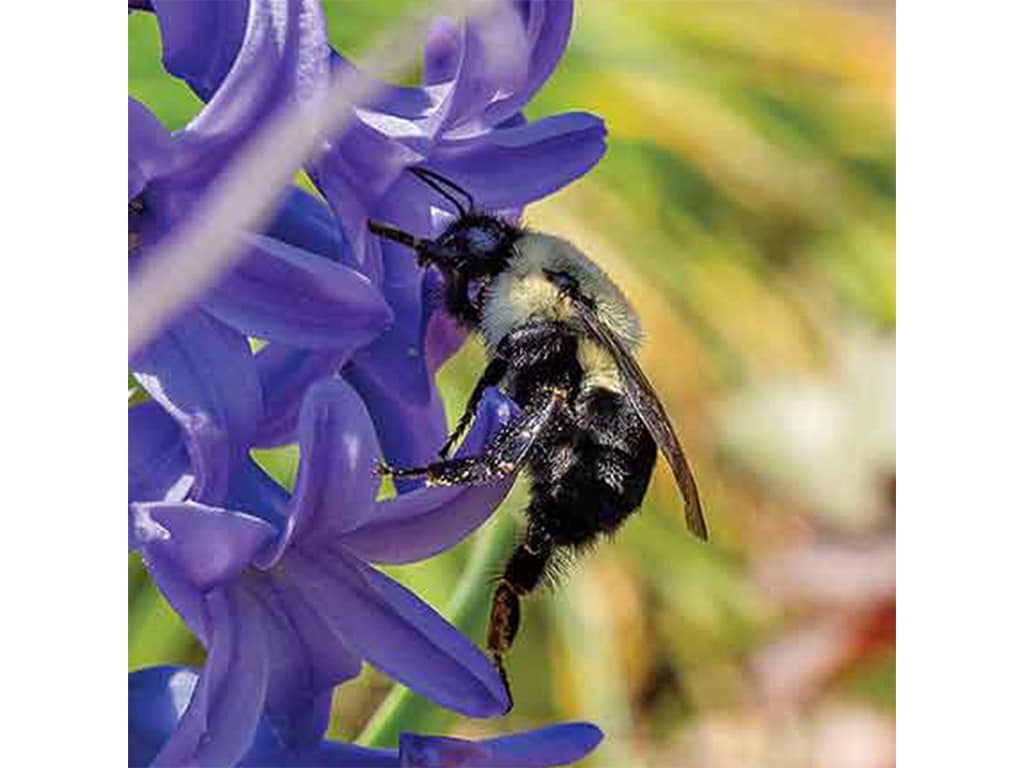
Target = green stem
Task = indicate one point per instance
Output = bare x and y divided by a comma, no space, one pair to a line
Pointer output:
402,708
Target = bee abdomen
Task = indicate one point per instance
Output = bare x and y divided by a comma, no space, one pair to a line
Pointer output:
591,475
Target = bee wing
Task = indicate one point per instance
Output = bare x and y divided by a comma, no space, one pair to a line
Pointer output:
645,401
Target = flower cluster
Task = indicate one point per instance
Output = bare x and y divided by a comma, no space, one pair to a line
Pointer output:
278,585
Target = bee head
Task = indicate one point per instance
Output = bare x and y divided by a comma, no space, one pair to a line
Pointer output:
475,245
480,243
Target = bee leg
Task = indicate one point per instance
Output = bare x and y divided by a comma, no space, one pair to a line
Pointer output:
492,376
521,576
502,457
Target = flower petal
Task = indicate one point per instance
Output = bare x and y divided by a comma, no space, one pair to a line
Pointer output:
540,31
392,374
441,52
397,632
411,430
286,374
201,44
203,375
352,174
422,523
283,57
157,697
305,222
493,55
297,705
148,147
282,293
201,40
336,484
442,336
221,719
267,753
556,149
410,103
260,495
556,745
158,465
206,546
548,25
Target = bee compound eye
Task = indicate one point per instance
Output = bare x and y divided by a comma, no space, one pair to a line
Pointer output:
482,239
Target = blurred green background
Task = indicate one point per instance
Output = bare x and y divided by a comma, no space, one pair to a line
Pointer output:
746,204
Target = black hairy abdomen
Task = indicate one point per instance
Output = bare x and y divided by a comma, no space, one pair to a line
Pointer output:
591,471
591,466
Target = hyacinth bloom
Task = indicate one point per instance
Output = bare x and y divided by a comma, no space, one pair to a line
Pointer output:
290,288
159,696
279,591
278,586
464,122
201,370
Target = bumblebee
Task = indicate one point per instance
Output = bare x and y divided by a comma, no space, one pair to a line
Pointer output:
560,339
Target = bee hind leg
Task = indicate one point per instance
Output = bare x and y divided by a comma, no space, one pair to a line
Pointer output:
521,575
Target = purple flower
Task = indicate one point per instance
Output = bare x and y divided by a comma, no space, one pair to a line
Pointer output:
279,591
290,288
159,696
464,122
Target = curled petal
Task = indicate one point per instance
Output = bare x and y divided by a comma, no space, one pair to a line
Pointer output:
410,103
493,56
286,374
557,150
336,483
206,546
148,147
158,465
283,56
222,716
201,40
548,24
397,632
422,523
203,375
282,293
441,51
555,745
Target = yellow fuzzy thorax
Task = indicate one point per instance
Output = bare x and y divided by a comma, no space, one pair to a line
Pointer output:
523,292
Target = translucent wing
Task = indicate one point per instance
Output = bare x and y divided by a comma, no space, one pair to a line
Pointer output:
644,399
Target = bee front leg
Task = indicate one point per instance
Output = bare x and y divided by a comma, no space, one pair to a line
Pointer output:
492,376
503,457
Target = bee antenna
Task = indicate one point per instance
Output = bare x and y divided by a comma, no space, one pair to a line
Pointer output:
444,187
